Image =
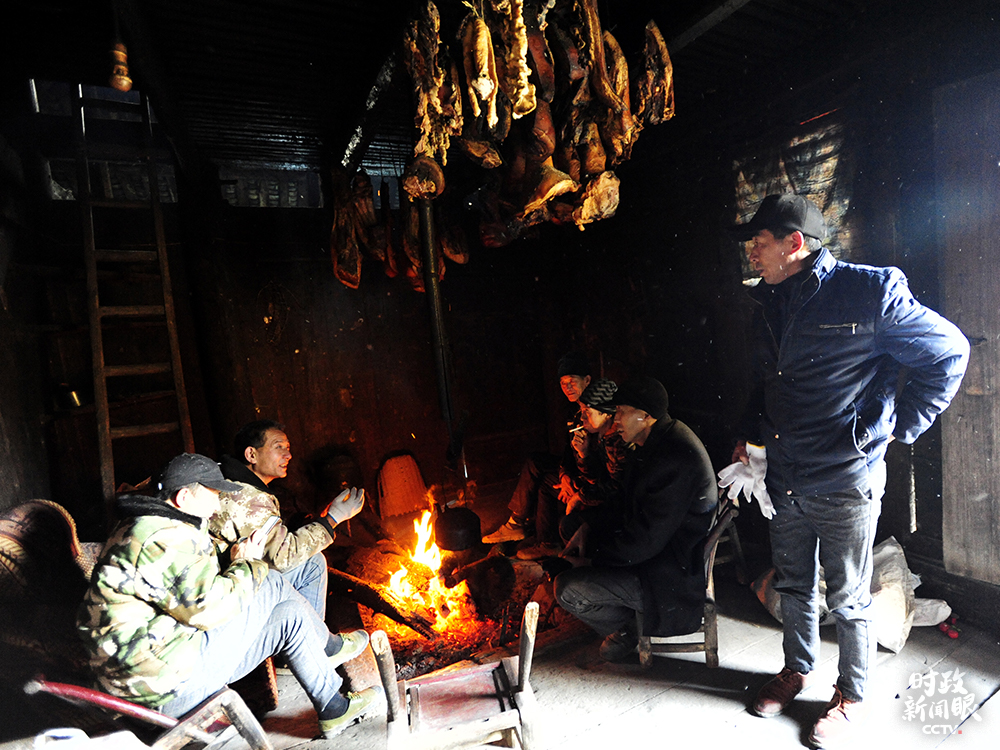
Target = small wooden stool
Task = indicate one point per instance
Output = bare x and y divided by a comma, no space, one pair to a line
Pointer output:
470,707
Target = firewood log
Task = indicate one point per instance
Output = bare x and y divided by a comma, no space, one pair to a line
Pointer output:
382,600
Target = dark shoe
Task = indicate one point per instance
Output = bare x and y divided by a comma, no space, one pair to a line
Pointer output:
512,531
354,643
840,721
358,705
781,690
539,551
619,646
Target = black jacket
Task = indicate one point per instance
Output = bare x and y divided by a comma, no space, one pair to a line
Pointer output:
667,507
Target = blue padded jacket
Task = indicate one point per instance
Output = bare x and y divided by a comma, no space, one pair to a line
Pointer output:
824,398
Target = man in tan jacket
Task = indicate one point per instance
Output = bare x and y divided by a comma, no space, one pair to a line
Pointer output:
261,455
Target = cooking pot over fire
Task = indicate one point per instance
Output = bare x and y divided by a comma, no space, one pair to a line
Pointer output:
457,529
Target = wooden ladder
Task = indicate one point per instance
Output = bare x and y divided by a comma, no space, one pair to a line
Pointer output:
122,279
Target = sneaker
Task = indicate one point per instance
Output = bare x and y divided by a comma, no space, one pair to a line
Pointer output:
359,703
619,646
512,531
539,551
354,643
839,723
781,690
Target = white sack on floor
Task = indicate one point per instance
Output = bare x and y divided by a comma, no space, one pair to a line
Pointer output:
892,596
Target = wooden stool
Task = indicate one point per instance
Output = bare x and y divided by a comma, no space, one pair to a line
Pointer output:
469,707
709,643
198,725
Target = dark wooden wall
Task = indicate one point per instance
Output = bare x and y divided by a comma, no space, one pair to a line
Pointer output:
271,333
352,370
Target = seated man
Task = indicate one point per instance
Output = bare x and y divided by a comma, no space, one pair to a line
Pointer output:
593,476
647,555
261,455
167,628
538,490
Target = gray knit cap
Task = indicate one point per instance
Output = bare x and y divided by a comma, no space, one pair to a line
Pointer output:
598,395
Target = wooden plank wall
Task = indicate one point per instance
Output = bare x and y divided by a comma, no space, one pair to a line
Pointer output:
352,370
968,186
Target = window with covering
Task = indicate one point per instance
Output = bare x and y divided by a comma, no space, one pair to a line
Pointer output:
812,163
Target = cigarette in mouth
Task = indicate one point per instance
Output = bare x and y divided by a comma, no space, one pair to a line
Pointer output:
577,429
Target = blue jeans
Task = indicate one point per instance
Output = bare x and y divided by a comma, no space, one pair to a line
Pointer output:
837,531
277,620
310,580
606,599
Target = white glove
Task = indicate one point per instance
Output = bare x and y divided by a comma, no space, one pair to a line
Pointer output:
346,505
758,468
738,478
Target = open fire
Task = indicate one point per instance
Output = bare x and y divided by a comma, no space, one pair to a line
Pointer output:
452,610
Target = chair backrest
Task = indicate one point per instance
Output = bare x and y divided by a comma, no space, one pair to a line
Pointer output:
727,513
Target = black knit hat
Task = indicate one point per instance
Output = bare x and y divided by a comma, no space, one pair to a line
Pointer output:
788,213
574,363
189,468
598,395
644,393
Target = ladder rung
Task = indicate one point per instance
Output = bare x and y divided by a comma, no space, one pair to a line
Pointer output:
105,203
129,311
142,398
126,256
152,368
141,430
112,106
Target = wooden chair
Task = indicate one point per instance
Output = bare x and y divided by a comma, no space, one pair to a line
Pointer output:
471,707
709,643
211,724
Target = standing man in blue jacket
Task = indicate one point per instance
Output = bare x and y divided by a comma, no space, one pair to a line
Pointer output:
829,341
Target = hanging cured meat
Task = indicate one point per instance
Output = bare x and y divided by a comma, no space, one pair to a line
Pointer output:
599,200
423,178
480,68
436,87
617,128
543,99
655,87
513,69
344,250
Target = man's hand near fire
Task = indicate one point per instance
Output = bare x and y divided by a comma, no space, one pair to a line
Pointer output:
568,494
576,547
345,506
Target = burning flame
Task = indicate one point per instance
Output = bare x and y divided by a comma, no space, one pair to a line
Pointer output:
449,605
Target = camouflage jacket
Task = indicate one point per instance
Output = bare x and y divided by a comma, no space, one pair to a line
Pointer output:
157,586
244,511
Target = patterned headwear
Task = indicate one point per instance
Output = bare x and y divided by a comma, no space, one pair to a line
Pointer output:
598,395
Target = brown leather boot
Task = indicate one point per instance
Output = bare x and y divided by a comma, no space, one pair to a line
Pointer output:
781,690
839,723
